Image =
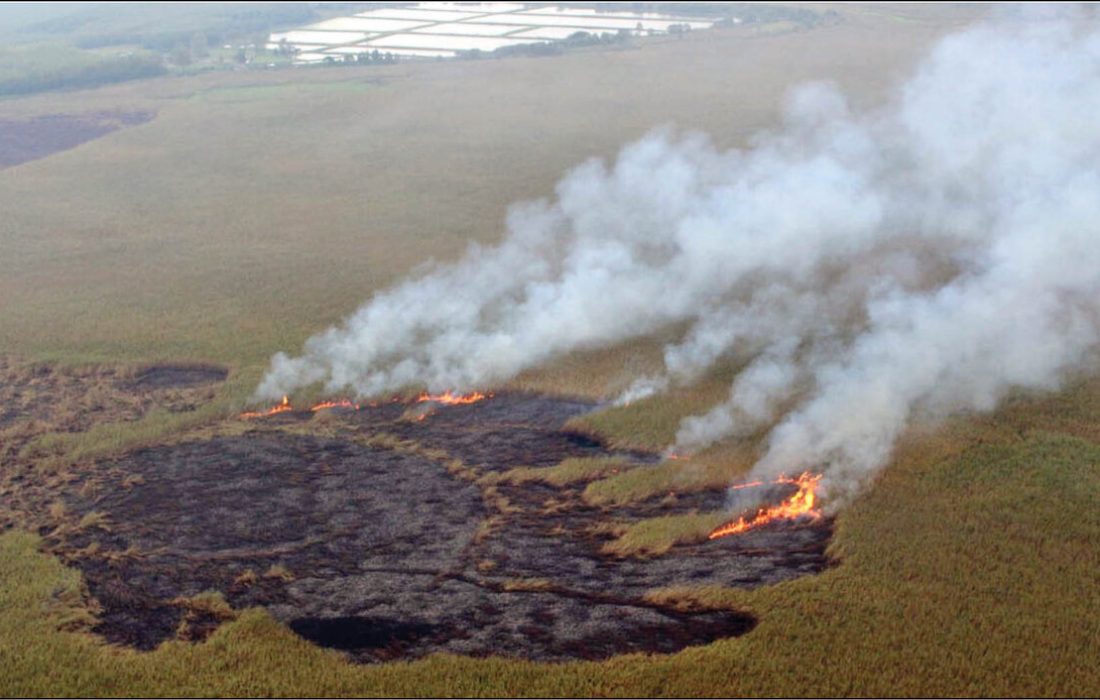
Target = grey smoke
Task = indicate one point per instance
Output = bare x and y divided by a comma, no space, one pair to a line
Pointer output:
919,259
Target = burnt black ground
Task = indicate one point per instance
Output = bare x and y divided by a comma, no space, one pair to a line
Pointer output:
381,552
164,376
23,140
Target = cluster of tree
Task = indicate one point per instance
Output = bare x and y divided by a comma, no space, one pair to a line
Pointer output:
367,57
89,72
195,49
219,23
590,39
724,13
547,48
542,48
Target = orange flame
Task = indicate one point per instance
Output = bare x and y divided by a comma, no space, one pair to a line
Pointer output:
449,398
342,403
751,484
801,504
282,407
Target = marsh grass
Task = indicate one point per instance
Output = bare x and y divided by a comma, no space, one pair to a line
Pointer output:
713,470
651,423
655,536
568,471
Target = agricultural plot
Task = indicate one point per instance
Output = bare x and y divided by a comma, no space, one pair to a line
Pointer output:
436,30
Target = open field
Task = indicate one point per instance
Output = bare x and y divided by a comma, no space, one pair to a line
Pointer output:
316,188
156,268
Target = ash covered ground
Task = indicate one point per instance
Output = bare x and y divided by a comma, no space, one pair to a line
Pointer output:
367,531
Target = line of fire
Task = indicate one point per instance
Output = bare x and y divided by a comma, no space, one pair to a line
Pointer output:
802,506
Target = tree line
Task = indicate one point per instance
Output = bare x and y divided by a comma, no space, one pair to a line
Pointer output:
89,72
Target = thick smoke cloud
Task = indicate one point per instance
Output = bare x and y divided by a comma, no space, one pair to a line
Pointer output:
919,259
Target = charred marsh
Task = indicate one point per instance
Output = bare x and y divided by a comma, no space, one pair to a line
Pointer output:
375,534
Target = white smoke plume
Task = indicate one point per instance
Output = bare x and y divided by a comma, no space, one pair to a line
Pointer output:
922,258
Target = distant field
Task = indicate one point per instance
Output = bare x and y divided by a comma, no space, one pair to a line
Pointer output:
446,30
257,208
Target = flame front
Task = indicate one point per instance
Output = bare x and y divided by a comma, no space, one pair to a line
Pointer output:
801,504
281,407
342,403
449,398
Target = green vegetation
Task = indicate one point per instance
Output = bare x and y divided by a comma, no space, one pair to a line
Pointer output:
580,39
747,12
82,46
162,28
